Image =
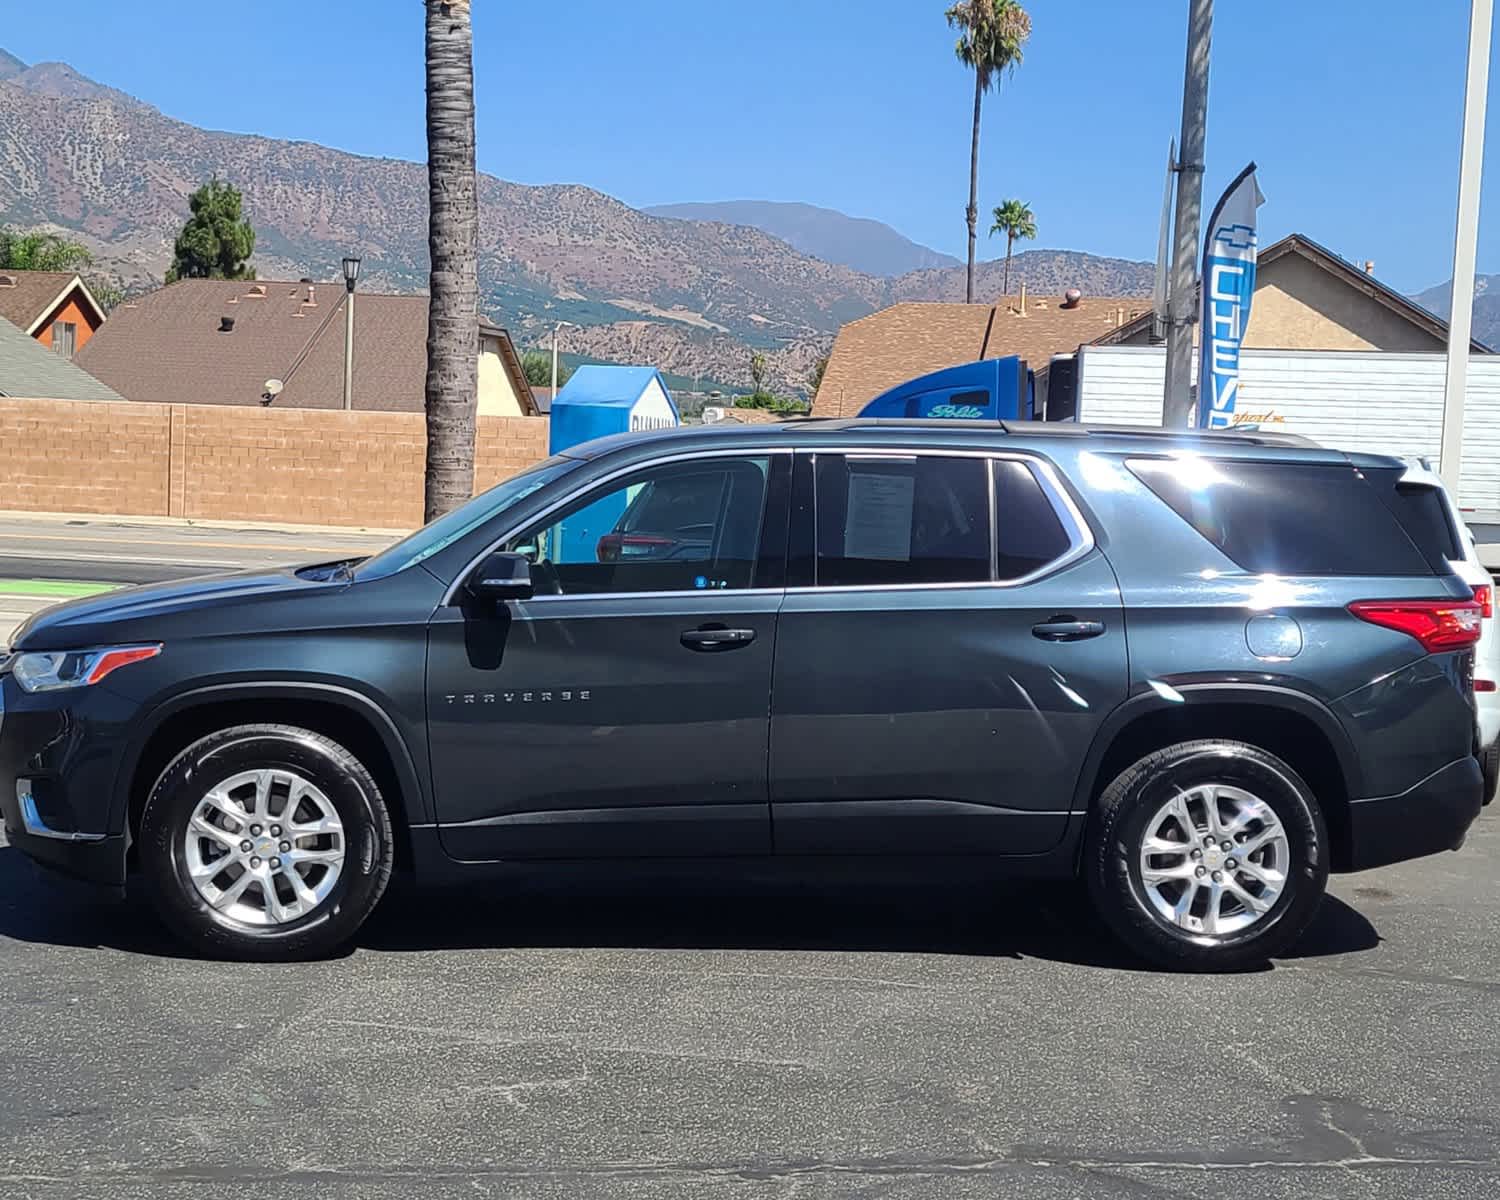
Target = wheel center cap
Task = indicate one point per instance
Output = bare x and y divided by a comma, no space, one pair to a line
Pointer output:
1213,858
265,847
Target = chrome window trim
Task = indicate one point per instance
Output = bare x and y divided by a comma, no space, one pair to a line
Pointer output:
664,460
1080,535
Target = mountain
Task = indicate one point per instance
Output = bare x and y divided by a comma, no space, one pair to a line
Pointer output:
867,246
697,296
1439,300
1044,272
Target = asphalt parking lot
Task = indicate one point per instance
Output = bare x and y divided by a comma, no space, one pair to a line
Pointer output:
688,1039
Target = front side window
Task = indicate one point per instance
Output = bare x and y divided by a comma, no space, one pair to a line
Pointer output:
686,526
885,521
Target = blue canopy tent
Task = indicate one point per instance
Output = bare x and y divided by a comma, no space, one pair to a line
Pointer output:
596,402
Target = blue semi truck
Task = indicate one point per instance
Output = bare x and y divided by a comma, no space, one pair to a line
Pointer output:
995,389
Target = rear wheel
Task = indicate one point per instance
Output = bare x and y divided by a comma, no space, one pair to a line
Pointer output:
1208,855
1489,761
265,842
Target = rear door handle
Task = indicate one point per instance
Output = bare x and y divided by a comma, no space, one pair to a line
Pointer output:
713,638
1065,629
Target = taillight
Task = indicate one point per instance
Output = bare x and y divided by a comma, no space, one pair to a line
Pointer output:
1484,596
1484,685
613,547
1436,624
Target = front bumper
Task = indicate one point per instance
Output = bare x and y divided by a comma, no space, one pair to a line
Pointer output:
59,754
1432,815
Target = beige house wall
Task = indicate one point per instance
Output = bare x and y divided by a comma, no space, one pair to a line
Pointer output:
497,395
1300,306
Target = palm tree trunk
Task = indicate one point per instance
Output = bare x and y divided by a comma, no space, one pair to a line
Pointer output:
972,213
453,244
1010,240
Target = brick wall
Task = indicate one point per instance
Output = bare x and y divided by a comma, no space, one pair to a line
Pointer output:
77,456
229,462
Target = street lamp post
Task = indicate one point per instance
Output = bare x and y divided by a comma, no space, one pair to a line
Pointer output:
556,329
1465,243
351,276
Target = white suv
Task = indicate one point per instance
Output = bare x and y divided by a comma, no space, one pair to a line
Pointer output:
1467,566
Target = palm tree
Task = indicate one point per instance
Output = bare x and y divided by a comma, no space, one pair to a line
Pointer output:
1015,220
453,244
991,36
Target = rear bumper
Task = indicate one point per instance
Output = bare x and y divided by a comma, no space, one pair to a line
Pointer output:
1430,816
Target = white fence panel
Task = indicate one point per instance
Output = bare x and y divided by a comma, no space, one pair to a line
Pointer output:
1354,400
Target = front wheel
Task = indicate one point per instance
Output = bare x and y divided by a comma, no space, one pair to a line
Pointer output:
265,842
1208,855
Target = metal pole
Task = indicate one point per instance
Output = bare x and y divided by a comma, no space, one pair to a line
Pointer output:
1465,242
349,349
555,330
1177,395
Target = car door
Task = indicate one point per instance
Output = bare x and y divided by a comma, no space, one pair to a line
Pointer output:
950,642
622,711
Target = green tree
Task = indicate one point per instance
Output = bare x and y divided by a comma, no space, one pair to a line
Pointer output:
216,241
39,251
1015,220
759,368
815,376
453,250
537,364
992,34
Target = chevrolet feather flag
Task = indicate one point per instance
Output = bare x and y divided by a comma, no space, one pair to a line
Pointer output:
1228,286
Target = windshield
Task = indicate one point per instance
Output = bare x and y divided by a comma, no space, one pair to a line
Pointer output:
464,519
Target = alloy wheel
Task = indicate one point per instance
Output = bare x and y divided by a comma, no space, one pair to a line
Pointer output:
1213,860
264,847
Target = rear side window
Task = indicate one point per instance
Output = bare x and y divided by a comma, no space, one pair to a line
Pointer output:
887,521
1287,518
1028,534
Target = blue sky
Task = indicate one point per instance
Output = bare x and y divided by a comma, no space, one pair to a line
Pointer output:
1351,107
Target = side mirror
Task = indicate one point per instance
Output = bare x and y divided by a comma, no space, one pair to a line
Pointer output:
501,576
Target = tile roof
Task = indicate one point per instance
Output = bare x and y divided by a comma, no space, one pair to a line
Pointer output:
889,347
30,294
31,370
169,346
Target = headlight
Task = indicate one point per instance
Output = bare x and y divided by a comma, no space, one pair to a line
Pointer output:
52,670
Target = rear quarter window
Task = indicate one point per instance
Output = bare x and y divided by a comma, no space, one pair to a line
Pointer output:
1290,518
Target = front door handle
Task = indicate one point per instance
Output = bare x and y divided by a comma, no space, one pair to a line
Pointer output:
1065,629
712,638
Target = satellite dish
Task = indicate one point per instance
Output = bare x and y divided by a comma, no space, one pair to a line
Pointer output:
274,387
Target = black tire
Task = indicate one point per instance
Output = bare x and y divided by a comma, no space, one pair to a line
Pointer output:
1489,762
210,761
1118,826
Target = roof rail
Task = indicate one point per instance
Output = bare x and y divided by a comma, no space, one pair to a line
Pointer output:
1251,437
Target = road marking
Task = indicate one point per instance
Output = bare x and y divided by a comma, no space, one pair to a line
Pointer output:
53,587
191,543
126,558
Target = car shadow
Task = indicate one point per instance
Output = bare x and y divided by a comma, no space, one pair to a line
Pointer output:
1050,921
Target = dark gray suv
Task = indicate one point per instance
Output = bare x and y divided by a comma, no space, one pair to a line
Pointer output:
1198,671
